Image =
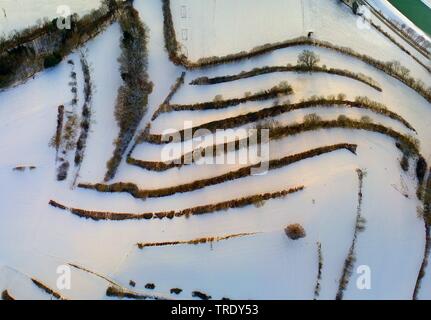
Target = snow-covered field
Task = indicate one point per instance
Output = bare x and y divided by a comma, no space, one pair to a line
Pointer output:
36,238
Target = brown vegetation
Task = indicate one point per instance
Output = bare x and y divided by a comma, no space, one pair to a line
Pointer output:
133,189
178,83
289,68
319,271
295,231
122,293
426,215
45,45
407,144
86,112
200,295
176,290
351,256
194,241
205,209
218,103
132,96
48,290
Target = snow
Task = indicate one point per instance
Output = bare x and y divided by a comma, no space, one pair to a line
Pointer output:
234,24
36,238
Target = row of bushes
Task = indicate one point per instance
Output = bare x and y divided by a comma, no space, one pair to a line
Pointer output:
171,44
132,98
289,68
194,241
426,198
86,112
205,209
48,290
44,46
392,39
407,144
351,256
319,270
134,190
283,88
233,122
60,118
387,67
178,83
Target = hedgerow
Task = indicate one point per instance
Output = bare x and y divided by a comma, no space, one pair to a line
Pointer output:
289,68
205,209
237,121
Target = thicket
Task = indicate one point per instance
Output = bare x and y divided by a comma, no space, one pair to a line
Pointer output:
194,241
288,68
132,98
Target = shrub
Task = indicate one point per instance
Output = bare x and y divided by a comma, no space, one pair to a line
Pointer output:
132,97
218,98
312,118
308,59
200,295
404,162
176,290
150,286
295,231
421,168
366,119
52,60
62,171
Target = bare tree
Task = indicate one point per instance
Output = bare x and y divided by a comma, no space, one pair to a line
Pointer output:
308,58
